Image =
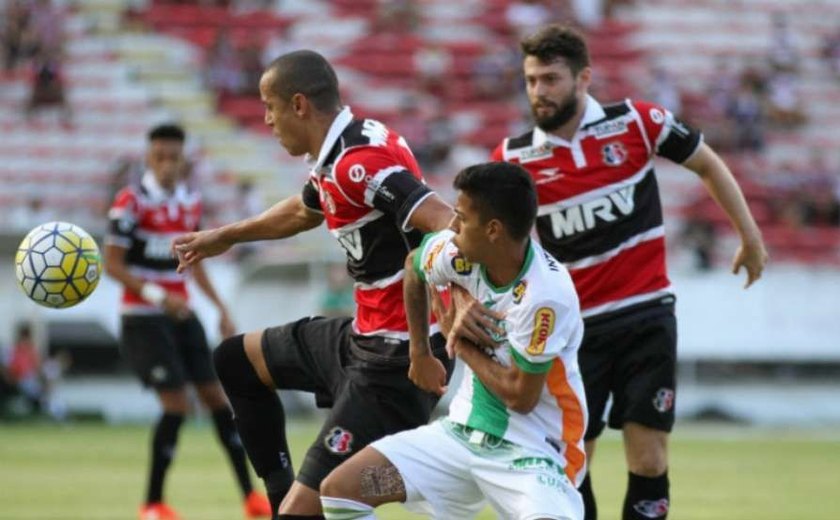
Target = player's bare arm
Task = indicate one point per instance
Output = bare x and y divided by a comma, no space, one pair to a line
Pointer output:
433,214
286,218
226,326
520,391
117,269
425,370
722,186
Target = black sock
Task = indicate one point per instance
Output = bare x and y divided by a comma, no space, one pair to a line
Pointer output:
647,497
228,436
590,510
164,439
258,415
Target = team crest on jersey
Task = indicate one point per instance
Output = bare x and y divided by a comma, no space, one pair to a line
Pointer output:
430,260
543,327
356,173
664,400
339,441
536,153
614,154
652,508
461,265
519,291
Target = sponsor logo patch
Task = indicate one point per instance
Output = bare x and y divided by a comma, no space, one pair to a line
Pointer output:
461,265
609,129
519,290
339,441
543,327
614,154
652,508
356,173
534,154
664,400
657,116
430,260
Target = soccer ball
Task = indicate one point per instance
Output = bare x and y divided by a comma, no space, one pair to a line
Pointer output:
57,265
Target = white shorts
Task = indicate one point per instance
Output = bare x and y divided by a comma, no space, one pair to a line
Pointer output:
451,472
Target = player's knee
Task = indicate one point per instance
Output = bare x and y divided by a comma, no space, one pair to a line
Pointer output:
649,463
234,368
335,486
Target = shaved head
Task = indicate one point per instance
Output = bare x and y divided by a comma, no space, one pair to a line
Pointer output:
305,72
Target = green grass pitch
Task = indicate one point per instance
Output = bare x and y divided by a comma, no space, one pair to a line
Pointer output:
97,472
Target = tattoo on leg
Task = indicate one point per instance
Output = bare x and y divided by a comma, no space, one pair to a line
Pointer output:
381,481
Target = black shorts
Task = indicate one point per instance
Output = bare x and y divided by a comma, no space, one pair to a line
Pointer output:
631,355
363,379
166,353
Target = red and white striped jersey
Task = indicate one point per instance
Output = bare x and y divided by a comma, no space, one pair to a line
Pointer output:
144,219
367,184
599,207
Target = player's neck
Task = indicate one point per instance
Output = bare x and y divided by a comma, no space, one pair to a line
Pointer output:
319,130
568,131
507,264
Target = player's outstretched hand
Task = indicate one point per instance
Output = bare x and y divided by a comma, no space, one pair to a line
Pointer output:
472,321
194,247
752,256
428,373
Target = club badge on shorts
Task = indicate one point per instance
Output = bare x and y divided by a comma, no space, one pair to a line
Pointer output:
339,441
664,400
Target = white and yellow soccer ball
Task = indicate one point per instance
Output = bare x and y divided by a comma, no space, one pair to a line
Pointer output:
58,265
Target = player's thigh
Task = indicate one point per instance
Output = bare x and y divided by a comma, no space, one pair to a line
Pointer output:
528,486
434,468
149,346
308,355
367,407
368,476
646,375
195,352
596,359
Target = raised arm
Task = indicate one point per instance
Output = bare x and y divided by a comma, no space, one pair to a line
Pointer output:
286,218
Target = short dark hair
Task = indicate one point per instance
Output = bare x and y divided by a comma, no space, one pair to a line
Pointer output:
306,72
167,131
501,190
553,42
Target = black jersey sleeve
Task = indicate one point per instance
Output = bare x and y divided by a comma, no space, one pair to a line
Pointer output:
310,197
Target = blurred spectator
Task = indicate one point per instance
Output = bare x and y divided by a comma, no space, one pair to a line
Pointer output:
495,73
699,235
433,64
747,114
223,66
32,378
48,26
412,124
525,16
663,90
337,299
247,203
17,37
784,56
441,140
250,58
784,103
25,217
48,86
831,52
397,16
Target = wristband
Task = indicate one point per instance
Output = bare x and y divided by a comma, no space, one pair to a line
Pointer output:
153,293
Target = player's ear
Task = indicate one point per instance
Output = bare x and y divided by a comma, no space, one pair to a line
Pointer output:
300,105
494,229
584,77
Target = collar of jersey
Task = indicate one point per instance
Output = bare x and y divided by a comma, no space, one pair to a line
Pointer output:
594,112
156,192
339,124
529,257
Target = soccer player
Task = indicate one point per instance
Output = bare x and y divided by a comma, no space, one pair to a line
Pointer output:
514,433
365,183
162,339
601,216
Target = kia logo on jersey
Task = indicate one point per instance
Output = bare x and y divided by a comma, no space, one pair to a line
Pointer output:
614,154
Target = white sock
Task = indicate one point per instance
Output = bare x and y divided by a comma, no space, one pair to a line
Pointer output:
345,509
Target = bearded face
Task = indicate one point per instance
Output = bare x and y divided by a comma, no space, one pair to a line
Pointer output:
554,92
